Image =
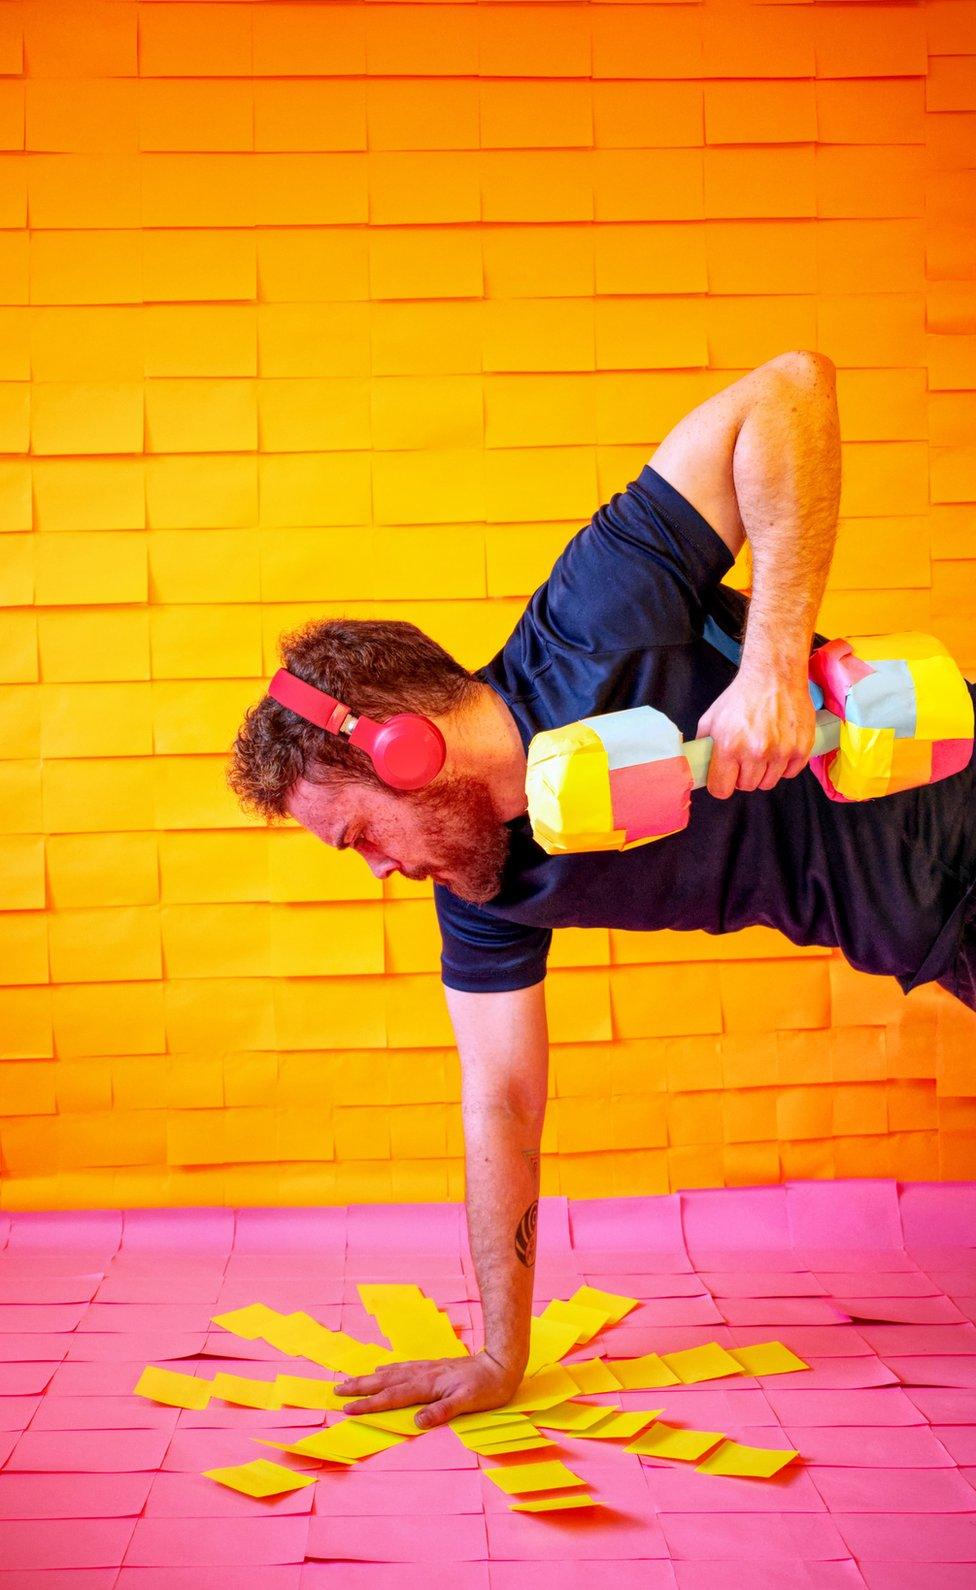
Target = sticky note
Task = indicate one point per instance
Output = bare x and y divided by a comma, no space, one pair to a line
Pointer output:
244,1392
248,1322
298,1391
750,1462
648,1373
299,1333
613,1304
587,1322
550,1476
664,1441
549,1339
595,1376
554,1504
515,1430
402,1421
176,1390
412,1323
260,1478
709,1362
542,1390
767,1358
527,1443
574,1415
345,1442
620,1426
463,1422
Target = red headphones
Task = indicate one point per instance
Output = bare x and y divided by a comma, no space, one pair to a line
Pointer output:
407,750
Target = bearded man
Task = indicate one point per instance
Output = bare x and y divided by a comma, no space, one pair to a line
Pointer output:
634,611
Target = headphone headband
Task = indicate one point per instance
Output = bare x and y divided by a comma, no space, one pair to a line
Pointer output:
407,750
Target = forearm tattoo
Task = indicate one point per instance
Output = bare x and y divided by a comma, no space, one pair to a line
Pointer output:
525,1235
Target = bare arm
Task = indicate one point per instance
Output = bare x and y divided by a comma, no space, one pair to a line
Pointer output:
503,1043
786,469
761,459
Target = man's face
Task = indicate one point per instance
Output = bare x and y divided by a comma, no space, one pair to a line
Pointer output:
448,832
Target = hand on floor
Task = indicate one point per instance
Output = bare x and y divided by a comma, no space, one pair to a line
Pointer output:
448,1385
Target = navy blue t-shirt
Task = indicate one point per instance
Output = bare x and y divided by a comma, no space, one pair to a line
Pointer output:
619,623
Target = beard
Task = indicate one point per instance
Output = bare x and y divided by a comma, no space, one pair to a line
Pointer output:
465,838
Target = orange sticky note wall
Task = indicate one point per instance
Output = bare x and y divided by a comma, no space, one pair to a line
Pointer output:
365,308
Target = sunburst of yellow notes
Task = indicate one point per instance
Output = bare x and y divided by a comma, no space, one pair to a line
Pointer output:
550,1391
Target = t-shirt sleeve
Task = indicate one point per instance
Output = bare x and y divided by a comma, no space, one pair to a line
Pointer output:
641,573
481,953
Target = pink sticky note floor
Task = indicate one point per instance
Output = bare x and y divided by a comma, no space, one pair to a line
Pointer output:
872,1283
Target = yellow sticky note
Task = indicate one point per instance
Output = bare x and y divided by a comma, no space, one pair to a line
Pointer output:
412,1323
613,1304
250,1322
402,1421
260,1478
516,1429
620,1426
748,1462
332,1349
647,1373
549,1339
554,1504
767,1358
244,1392
298,1391
542,1390
527,1443
594,1376
172,1388
462,1423
664,1441
710,1362
588,1321
574,1415
345,1442
551,1476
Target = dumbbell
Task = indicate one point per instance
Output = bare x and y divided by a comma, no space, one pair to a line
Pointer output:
893,712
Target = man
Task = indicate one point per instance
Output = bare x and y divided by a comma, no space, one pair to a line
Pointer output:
619,622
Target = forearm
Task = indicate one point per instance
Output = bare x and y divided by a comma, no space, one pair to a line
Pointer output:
502,1191
787,473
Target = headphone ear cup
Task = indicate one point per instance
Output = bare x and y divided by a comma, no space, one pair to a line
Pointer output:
408,751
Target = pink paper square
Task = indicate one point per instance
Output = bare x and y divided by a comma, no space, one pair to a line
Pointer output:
251,1542
601,1536
396,1576
750,1538
64,1543
907,1491
186,1496
72,1495
89,1452
895,1537
417,1538
239,1577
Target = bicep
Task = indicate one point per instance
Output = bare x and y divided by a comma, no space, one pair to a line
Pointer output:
503,1044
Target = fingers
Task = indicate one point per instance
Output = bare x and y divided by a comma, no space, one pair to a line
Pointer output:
443,1409
382,1401
390,1374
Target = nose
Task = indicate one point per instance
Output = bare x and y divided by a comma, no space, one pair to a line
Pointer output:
379,864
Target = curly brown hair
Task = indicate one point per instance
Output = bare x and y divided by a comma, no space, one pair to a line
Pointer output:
377,667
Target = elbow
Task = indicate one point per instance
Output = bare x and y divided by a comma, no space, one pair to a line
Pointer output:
805,365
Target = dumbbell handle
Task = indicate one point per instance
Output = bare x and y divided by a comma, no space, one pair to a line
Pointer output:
699,752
